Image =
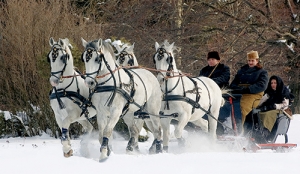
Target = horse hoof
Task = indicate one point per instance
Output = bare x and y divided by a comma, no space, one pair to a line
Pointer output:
70,153
129,149
104,154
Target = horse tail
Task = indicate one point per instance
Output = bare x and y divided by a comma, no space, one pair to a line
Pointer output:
224,91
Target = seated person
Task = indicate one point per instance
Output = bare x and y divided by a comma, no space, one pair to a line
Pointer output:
219,73
275,99
215,70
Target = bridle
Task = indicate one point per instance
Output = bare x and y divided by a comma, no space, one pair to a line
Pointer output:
160,55
121,57
99,59
54,53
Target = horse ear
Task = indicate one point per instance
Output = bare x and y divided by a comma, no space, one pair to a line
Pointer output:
130,49
51,41
84,43
156,46
61,42
172,45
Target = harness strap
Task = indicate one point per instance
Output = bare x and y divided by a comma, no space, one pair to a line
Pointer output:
197,93
207,91
81,100
166,89
189,101
132,92
119,90
56,96
181,98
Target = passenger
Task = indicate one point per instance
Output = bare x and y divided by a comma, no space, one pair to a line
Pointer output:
250,81
275,99
215,70
219,73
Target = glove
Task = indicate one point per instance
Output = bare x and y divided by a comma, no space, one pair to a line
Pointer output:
255,111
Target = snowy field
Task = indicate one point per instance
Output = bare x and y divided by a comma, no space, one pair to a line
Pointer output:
43,155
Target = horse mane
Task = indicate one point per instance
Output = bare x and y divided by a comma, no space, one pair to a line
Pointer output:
127,45
168,47
109,48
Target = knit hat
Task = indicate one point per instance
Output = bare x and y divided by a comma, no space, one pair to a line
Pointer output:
213,54
252,55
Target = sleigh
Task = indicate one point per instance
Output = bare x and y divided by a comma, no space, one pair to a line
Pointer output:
254,139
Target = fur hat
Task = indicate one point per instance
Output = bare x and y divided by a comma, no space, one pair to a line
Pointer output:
213,54
252,55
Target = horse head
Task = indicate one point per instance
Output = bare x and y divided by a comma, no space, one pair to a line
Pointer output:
125,55
60,59
99,59
164,57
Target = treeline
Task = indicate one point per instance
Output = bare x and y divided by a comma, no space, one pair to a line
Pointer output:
232,27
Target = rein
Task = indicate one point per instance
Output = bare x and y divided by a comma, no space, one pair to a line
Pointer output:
132,67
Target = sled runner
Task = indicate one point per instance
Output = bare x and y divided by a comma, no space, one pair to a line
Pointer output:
255,137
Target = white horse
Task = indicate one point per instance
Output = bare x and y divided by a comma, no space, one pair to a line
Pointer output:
125,55
126,58
187,98
119,92
68,95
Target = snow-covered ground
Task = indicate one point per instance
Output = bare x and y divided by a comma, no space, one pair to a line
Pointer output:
43,155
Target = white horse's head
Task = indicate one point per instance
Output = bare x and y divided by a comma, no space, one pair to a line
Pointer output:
60,59
125,55
164,57
99,59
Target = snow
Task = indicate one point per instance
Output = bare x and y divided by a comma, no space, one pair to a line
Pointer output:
43,155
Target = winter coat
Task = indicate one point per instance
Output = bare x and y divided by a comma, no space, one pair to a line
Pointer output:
278,99
273,100
220,74
250,80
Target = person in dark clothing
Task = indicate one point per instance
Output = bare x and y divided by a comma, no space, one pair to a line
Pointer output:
219,73
250,81
215,70
276,98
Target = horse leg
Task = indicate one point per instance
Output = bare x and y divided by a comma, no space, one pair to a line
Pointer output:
165,123
182,122
212,123
107,132
157,134
65,141
134,126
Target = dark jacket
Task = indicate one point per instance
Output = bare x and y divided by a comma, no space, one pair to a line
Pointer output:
221,74
250,80
277,96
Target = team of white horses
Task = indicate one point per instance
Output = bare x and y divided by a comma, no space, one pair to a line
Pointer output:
111,90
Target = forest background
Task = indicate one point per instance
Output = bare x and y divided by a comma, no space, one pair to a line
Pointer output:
231,27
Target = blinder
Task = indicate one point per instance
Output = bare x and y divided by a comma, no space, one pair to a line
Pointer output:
160,55
121,58
54,54
89,55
